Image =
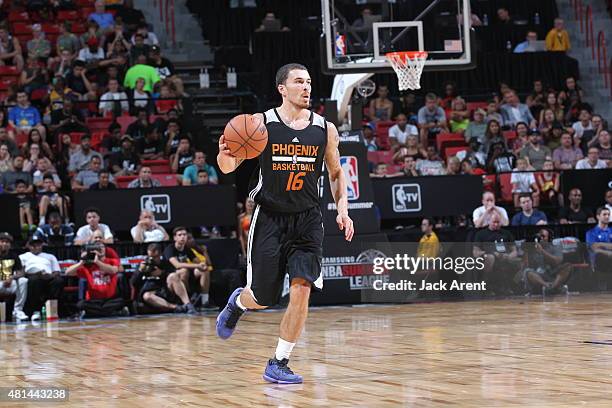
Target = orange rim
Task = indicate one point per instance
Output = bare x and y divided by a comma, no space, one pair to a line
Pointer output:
407,54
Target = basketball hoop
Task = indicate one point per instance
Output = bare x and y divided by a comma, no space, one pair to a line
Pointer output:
408,65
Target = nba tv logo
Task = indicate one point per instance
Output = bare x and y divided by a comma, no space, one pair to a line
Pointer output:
351,173
159,205
406,197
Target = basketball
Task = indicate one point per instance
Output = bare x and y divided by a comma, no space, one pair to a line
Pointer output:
246,136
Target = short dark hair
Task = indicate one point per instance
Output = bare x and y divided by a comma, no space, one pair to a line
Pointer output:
600,210
430,220
20,181
154,247
91,210
283,72
78,63
202,171
525,195
48,176
178,229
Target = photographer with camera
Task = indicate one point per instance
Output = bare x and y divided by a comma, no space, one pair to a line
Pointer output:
101,272
543,264
159,286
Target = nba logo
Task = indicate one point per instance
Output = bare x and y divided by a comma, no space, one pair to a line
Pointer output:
159,205
349,166
340,45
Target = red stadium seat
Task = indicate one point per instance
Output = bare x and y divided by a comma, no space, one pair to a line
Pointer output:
38,94
373,157
78,28
123,181
5,83
97,138
509,135
453,150
505,187
18,16
22,28
385,156
393,168
160,166
21,138
76,137
443,137
8,71
167,180
472,106
68,15
50,28
86,11
85,3
98,124
382,133
125,121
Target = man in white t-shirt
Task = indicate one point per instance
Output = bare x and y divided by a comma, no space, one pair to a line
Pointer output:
584,123
482,215
401,130
147,230
42,271
92,217
114,100
592,161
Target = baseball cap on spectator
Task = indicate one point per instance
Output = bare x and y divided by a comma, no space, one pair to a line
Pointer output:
474,140
5,236
371,125
35,240
155,49
36,27
127,137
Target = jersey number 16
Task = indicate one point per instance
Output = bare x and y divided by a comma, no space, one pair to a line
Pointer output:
295,182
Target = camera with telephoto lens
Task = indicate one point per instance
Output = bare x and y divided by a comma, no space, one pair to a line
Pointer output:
91,251
148,266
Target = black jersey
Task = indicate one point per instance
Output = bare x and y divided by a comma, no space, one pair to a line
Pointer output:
290,165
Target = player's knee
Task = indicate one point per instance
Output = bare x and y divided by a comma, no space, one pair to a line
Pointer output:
147,296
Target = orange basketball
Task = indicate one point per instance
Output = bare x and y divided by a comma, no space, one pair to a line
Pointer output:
246,136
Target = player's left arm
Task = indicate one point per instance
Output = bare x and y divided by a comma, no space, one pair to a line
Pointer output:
337,181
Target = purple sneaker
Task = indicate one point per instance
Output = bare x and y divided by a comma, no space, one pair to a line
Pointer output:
229,316
278,372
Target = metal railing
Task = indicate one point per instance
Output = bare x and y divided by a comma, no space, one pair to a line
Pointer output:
167,18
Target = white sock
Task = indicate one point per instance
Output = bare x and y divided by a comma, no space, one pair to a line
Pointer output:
239,303
283,349
204,297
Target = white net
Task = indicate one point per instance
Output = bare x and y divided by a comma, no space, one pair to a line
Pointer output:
408,66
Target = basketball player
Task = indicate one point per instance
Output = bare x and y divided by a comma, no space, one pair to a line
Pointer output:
286,232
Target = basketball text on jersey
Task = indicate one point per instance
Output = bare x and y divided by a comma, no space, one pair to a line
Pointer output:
294,157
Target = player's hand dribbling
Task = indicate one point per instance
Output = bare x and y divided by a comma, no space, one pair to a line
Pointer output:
345,224
223,149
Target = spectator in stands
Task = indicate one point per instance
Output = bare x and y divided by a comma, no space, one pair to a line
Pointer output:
380,170
190,176
504,16
409,167
148,37
501,259
544,263
493,135
552,132
141,70
144,180
159,286
567,155
599,241
459,116
105,20
499,159
608,199
78,83
24,199
557,38
271,23
522,137
412,149
369,137
571,92
101,273
50,199
141,100
58,92
6,161
55,233
114,102
582,125
10,50
38,47
526,46
202,274
9,141
483,214
453,166
24,116
575,212
130,16
85,178
112,144
603,144
183,157
43,273
67,119
80,159
523,182
66,40
139,128
592,161
92,53
62,65
399,132
203,178
598,124
126,161
167,99
84,234
150,147
450,93
553,104
12,279
183,259
477,127
147,230
429,244
431,119
104,182
139,50
528,215
432,165
381,107
493,113
473,154
10,178
536,100
513,111
33,77
165,69
534,152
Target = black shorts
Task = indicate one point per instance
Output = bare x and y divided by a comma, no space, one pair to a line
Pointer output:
280,244
160,289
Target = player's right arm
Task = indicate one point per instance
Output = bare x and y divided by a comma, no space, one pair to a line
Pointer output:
226,161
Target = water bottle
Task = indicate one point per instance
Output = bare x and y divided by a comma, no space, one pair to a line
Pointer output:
204,78
43,314
536,19
485,20
508,46
232,78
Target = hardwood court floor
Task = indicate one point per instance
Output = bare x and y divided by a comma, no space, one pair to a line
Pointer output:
514,353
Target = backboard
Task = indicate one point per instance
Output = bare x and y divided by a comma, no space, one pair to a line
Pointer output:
358,33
